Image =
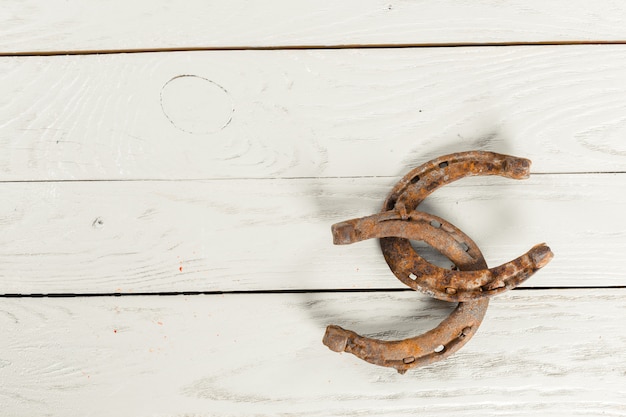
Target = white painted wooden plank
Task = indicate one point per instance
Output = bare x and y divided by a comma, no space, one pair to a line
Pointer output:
275,234
548,352
308,113
69,25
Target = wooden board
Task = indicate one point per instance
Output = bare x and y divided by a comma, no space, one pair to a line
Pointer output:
549,352
74,25
243,235
211,159
267,114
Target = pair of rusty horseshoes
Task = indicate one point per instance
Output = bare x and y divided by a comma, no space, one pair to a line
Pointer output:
471,285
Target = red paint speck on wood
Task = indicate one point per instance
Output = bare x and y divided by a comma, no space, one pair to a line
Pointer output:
180,269
114,330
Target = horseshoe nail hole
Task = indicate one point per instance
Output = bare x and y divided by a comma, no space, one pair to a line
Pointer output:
466,331
450,290
443,164
415,179
196,105
465,246
440,349
435,224
410,359
412,276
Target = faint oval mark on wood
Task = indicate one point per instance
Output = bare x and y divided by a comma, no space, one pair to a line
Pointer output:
196,105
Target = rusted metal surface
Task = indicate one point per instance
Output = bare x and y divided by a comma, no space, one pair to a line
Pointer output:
422,181
470,284
444,284
434,345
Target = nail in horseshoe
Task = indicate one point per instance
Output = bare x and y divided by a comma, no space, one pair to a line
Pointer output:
471,285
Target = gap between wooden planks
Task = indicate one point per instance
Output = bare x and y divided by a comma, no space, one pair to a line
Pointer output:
294,114
61,25
546,351
310,47
248,235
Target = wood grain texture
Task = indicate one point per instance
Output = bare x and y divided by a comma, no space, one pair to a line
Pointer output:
333,113
556,352
73,25
222,170
94,237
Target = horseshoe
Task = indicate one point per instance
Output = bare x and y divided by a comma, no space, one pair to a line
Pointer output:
440,283
397,223
418,184
442,341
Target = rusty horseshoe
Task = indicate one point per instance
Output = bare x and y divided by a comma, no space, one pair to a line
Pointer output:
422,181
437,344
471,284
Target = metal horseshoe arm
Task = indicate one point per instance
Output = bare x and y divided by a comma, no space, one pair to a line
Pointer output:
432,346
422,181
